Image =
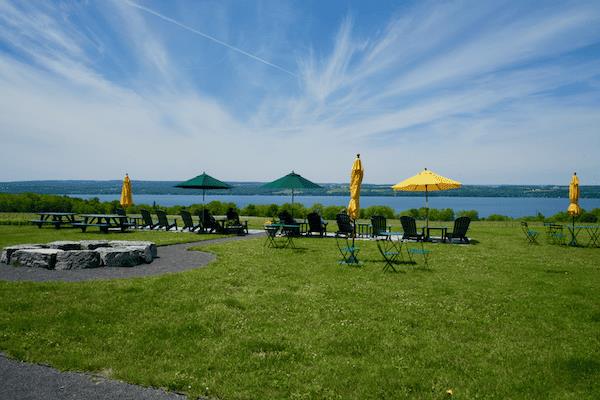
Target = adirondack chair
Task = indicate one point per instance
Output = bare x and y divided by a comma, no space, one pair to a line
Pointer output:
233,223
409,226
188,222
345,225
461,225
378,225
293,227
163,222
210,223
147,220
316,224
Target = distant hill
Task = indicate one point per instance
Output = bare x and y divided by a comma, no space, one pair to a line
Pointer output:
253,188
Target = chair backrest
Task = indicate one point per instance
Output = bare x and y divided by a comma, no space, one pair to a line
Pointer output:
315,222
461,225
286,218
162,217
233,216
207,219
146,217
344,223
409,225
188,222
379,224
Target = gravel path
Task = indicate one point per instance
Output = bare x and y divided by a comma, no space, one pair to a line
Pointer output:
172,258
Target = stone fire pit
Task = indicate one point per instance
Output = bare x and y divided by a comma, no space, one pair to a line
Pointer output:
64,255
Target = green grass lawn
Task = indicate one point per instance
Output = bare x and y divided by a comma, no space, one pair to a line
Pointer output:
496,319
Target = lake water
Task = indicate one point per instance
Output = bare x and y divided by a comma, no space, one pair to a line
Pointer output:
511,206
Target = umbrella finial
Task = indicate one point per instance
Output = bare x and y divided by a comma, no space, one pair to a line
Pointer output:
357,155
574,173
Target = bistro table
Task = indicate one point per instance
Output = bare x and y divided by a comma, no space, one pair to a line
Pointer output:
103,221
592,234
284,240
55,218
389,245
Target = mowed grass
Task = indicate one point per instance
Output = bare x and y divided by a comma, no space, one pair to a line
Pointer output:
496,319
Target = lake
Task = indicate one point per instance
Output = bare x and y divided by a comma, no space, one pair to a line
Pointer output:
511,206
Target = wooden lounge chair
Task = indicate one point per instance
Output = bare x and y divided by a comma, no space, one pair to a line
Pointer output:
233,223
379,225
188,222
409,226
209,222
163,222
293,227
147,220
461,225
316,224
345,225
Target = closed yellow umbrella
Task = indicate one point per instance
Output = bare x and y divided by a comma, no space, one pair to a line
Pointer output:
126,195
356,177
426,181
574,210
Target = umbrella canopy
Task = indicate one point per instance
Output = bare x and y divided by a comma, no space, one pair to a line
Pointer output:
574,209
204,182
291,181
356,177
126,195
426,181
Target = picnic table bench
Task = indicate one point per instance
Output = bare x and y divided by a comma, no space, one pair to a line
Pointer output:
57,219
104,222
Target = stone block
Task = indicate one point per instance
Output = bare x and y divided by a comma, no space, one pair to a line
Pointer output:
125,243
144,253
65,245
94,244
118,257
36,258
77,259
8,251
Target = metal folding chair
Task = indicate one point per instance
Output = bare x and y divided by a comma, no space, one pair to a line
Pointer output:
348,252
530,235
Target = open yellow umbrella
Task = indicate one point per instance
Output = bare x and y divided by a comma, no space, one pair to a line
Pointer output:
356,176
126,196
574,210
426,181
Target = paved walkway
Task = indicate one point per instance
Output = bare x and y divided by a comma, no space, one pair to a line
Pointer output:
172,258
24,381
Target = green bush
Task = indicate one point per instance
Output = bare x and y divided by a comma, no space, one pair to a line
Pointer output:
473,214
498,217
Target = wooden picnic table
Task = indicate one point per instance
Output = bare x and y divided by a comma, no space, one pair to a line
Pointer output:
54,218
104,222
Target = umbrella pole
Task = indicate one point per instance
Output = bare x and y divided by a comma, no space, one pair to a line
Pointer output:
203,193
292,202
426,211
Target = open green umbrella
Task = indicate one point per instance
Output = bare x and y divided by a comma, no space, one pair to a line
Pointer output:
291,181
204,182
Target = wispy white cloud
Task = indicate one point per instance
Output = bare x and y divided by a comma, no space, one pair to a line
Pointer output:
437,80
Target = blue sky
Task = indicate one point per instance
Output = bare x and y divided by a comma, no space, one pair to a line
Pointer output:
486,92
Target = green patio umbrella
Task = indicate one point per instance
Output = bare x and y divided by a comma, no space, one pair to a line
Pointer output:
204,182
291,181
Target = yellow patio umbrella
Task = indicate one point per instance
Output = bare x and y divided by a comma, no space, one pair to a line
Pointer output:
126,195
426,181
356,176
574,210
